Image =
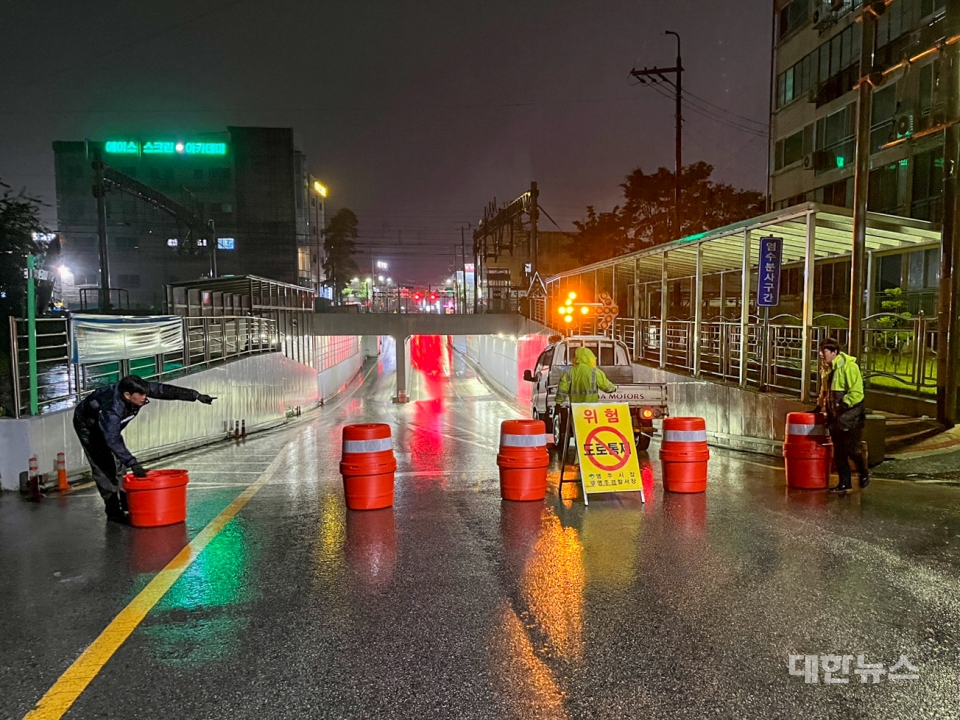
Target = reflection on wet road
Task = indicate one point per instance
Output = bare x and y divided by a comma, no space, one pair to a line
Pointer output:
454,604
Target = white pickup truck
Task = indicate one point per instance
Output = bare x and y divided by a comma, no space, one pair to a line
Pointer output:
647,401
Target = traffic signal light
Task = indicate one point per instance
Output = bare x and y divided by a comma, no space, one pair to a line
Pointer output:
417,297
607,312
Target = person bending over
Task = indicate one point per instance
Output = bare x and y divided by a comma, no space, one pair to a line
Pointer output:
99,421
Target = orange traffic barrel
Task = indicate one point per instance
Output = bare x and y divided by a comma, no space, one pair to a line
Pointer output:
158,499
368,466
523,460
684,454
807,451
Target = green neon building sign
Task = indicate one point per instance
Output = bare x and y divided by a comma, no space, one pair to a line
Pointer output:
164,147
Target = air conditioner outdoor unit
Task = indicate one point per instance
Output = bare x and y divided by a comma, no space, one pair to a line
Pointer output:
823,15
903,125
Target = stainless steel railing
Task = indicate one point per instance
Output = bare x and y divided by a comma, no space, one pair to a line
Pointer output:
899,351
62,383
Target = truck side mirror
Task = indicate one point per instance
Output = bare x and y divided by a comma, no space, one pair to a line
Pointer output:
528,376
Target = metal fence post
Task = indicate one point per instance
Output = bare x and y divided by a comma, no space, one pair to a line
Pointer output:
663,309
806,331
32,333
698,311
744,307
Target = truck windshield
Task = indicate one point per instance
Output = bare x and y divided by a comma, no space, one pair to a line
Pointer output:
605,352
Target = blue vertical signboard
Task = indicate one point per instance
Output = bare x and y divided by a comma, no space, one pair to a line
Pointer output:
768,288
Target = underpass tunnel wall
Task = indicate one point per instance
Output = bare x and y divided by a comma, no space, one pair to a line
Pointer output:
503,358
261,390
342,360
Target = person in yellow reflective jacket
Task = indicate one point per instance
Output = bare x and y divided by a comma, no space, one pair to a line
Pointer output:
846,415
582,382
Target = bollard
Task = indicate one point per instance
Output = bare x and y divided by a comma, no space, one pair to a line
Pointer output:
236,429
33,480
368,466
243,429
807,451
684,455
523,460
62,484
158,499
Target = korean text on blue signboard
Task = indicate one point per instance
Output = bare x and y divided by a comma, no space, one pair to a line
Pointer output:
768,288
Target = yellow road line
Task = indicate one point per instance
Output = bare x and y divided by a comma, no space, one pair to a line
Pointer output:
65,691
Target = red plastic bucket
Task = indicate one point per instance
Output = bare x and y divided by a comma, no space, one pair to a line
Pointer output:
684,454
158,499
807,451
523,460
368,466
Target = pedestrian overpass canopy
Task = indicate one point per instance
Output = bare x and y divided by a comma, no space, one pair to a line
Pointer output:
698,294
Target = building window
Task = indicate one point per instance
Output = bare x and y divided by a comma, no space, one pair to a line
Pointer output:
923,270
824,64
883,189
889,270
227,207
789,150
882,117
793,16
927,200
129,282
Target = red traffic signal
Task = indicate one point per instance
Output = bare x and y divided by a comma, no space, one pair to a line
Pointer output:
416,296
433,297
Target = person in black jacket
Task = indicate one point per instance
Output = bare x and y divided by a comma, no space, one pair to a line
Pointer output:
99,421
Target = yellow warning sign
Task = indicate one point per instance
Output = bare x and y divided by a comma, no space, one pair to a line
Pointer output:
605,446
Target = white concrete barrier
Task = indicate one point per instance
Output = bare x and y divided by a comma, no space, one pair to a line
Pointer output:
259,389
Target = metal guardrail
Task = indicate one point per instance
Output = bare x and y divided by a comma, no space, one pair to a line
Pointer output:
899,351
61,384
54,380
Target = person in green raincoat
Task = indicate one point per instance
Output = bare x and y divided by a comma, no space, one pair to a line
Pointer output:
582,382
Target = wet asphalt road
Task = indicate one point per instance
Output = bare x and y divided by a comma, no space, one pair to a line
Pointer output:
454,604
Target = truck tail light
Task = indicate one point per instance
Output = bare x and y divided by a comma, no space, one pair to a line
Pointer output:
647,413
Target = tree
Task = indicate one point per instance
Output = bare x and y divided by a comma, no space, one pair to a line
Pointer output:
647,215
19,219
339,246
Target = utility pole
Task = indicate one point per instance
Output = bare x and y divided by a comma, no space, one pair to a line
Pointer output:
861,178
534,232
948,328
476,274
100,192
678,95
213,247
32,263
463,261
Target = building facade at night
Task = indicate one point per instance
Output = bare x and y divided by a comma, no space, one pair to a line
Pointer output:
817,58
251,182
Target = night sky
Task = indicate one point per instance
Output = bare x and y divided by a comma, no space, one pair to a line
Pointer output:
415,114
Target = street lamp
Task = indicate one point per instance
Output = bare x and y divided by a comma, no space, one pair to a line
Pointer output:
321,190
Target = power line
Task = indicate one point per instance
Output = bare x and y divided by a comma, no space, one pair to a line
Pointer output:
709,116
742,117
